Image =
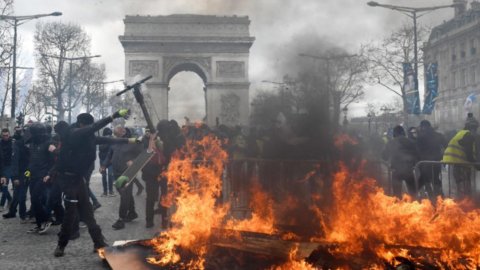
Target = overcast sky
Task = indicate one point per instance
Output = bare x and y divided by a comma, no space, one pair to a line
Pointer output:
275,25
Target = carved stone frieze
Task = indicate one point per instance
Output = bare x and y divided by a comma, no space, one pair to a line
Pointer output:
230,109
171,61
143,67
230,69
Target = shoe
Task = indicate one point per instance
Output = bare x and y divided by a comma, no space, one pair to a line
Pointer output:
57,222
9,215
149,224
23,221
34,230
2,208
96,206
140,190
118,225
59,251
45,227
99,246
104,194
81,224
131,217
112,194
74,236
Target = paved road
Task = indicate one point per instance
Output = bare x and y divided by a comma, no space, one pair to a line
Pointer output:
19,250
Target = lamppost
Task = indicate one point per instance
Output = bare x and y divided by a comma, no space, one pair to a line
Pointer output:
413,13
370,115
17,20
345,120
70,77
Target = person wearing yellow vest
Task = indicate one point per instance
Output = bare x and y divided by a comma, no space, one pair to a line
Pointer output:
461,150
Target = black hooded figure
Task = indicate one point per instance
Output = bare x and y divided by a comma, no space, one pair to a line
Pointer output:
39,164
402,154
75,158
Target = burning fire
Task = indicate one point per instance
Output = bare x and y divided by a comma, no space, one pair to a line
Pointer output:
361,221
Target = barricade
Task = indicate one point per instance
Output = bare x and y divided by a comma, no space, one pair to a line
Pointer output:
281,178
452,180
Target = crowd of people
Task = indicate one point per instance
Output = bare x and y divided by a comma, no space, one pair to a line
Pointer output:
416,157
53,167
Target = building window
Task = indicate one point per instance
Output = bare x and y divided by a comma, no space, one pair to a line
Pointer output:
454,77
463,76
473,47
454,54
473,75
462,50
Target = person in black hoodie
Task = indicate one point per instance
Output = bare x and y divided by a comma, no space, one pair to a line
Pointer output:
402,154
74,161
172,139
39,165
430,145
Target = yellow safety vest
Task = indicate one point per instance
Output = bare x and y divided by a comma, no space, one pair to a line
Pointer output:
455,153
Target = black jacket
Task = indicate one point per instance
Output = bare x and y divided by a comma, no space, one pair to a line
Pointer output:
79,148
431,144
402,154
20,159
7,151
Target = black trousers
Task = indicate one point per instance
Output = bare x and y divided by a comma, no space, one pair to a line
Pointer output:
39,201
152,186
408,177
127,202
76,199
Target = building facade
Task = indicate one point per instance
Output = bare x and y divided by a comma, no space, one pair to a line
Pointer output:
455,47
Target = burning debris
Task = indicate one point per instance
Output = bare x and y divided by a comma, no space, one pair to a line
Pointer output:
360,227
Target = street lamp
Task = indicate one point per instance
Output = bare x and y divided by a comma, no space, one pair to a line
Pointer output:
70,76
16,22
413,13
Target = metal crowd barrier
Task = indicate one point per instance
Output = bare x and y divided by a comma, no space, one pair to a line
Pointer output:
281,178
458,180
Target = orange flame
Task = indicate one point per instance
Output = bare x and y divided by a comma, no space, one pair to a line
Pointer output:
363,216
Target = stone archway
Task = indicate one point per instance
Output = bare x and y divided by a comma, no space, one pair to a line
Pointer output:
215,48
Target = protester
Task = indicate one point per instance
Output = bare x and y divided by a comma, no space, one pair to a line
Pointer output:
402,155
461,149
6,145
120,158
107,174
74,160
430,145
20,182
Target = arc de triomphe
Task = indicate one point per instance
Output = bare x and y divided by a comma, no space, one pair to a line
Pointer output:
216,48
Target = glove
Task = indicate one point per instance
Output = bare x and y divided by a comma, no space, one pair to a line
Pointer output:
121,113
121,181
134,140
27,174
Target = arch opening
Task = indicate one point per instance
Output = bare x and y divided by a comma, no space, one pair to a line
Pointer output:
186,97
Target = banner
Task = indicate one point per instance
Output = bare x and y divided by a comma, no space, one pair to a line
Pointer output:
469,102
431,90
410,88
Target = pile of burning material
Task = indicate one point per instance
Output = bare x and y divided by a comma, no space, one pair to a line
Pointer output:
361,227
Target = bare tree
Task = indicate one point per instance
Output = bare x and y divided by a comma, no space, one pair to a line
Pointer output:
386,58
6,46
35,104
61,41
93,87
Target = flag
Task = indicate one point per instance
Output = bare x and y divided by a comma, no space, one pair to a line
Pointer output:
431,91
469,102
410,89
